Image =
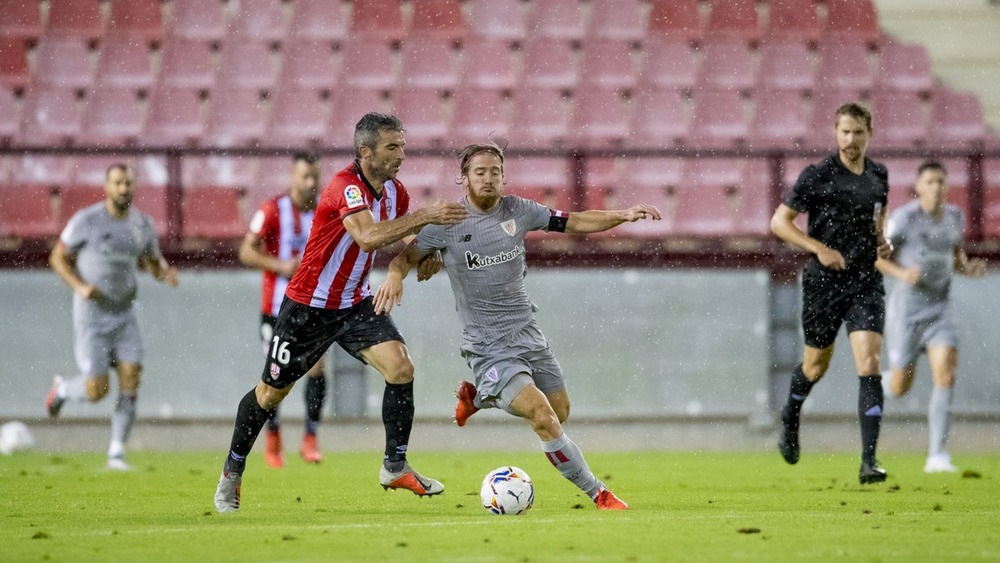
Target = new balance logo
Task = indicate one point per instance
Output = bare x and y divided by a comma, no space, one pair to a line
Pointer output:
466,238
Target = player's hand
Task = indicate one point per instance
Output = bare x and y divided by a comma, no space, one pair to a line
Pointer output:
831,258
89,292
975,268
884,248
169,277
446,213
912,275
429,265
290,266
642,211
389,294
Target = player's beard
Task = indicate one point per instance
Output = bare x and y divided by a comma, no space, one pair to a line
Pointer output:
484,201
122,203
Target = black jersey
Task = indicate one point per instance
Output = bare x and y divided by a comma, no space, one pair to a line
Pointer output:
843,209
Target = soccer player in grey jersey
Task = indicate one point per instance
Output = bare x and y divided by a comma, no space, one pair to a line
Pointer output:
484,256
926,235
98,255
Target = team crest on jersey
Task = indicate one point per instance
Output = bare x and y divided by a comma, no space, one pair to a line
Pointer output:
353,196
509,227
493,375
275,371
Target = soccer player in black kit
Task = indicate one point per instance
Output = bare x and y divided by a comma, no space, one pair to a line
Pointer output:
845,197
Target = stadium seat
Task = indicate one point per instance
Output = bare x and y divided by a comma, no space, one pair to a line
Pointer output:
958,185
956,119
540,117
199,172
660,118
718,120
63,62
487,63
257,20
14,71
667,63
10,118
111,117
186,63
532,172
497,20
429,62
438,19
726,65
138,19
28,211
713,172
236,116
246,63
21,20
556,19
548,63
316,20
607,63
80,19
50,116
600,172
675,19
599,120
347,105
478,115
367,65
625,195
298,117
844,67
213,212
821,121
899,119
652,171
74,198
422,113
793,168
722,211
779,121
173,117
197,19
792,20
124,62
786,65
851,21
902,178
43,170
617,20
377,21
92,170
905,67
426,181
733,19
309,64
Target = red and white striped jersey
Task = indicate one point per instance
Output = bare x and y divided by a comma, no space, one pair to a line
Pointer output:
334,270
283,230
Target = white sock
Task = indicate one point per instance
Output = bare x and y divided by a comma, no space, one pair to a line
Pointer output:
73,389
567,458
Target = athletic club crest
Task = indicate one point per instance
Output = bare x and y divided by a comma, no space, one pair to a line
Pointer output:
509,227
275,371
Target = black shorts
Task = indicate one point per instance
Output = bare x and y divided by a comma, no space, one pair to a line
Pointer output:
302,334
826,306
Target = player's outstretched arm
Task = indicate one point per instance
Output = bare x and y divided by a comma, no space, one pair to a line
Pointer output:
390,293
371,235
596,220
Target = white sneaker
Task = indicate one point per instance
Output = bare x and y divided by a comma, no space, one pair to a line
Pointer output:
407,478
227,495
118,464
939,463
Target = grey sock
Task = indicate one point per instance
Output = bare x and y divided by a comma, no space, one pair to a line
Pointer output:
566,457
74,389
939,418
122,419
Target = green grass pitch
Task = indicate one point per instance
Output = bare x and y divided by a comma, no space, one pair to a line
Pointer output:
684,507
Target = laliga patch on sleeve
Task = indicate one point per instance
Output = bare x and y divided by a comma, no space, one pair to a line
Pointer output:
353,197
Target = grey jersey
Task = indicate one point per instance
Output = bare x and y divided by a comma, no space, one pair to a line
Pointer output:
484,258
107,252
921,241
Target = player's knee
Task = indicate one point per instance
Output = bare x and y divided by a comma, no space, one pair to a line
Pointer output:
97,388
815,371
544,421
399,372
562,412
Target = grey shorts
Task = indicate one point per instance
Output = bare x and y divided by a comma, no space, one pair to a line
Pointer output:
904,341
99,343
496,366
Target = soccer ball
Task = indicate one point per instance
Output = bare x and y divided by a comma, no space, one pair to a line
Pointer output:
15,436
507,490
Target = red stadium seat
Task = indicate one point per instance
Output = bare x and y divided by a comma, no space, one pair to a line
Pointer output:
21,20
139,19
309,64
667,63
246,63
779,120
173,117
718,120
377,20
50,116
317,20
607,63
80,19
28,211
675,19
599,120
368,65
852,21
792,20
722,211
478,115
213,213
618,20
733,19
10,118
540,118
75,198
497,19
439,19
652,172
660,118
197,19
257,20
906,67
625,195
63,62
899,118
422,113
548,63
92,170
43,170
487,63
124,62
727,65
187,63
426,181
236,116
14,71
298,117
556,19
786,65
219,171
151,200
111,117
844,67
956,119
713,172
347,105
902,178
429,62
532,172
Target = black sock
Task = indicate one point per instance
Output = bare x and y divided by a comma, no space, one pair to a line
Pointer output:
315,395
797,393
250,419
274,421
397,417
870,400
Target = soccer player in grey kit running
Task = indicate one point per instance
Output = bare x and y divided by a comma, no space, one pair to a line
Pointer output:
926,235
514,367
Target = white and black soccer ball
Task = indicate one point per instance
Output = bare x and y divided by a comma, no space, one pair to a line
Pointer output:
507,490
15,436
